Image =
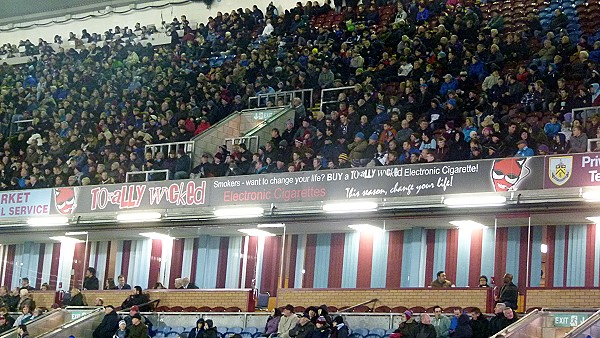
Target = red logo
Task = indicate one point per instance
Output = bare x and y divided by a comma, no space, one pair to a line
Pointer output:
65,200
506,173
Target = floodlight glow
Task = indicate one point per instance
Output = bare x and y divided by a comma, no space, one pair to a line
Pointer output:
156,235
358,206
139,216
474,200
591,196
76,233
256,232
64,239
48,221
365,228
271,225
467,224
241,212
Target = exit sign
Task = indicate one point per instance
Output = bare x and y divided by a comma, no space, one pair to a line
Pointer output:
566,320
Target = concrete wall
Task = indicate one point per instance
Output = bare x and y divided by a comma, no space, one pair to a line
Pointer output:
408,297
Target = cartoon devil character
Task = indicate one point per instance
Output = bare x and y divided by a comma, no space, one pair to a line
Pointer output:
65,200
506,173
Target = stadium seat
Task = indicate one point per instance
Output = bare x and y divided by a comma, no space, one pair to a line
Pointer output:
382,309
372,335
380,332
217,309
221,330
418,309
203,309
398,309
233,309
235,330
250,329
360,331
190,309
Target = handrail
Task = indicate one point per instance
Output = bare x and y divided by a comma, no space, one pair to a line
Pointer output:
157,301
188,147
147,173
585,325
519,323
9,332
287,95
323,91
267,121
222,121
78,320
574,111
350,308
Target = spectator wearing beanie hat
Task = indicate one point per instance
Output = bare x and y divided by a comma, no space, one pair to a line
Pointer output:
407,325
343,161
358,147
323,330
122,332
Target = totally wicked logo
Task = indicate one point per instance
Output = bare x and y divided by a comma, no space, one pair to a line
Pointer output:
132,196
65,200
507,173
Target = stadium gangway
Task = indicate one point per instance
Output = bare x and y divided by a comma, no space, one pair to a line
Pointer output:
330,95
51,320
165,148
81,327
251,142
589,328
260,100
548,322
149,175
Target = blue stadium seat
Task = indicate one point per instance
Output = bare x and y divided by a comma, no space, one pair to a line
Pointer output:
178,329
172,335
251,330
360,331
237,330
244,335
389,332
379,332
372,335
164,329
222,330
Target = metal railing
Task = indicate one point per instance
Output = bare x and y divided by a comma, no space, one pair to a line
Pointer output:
165,148
261,100
525,320
149,175
592,144
251,142
580,330
351,308
19,126
330,95
577,112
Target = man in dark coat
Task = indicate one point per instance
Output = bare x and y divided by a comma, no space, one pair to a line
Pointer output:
424,329
91,281
109,324
509,293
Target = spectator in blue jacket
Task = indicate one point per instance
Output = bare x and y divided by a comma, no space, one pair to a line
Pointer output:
450,83
524,150
553,127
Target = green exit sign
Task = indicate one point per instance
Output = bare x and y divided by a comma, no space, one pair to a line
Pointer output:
568,320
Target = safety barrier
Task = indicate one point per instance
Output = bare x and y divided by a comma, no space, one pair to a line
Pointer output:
261,100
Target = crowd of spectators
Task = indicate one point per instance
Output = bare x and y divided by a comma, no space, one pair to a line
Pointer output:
315,322
435,81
